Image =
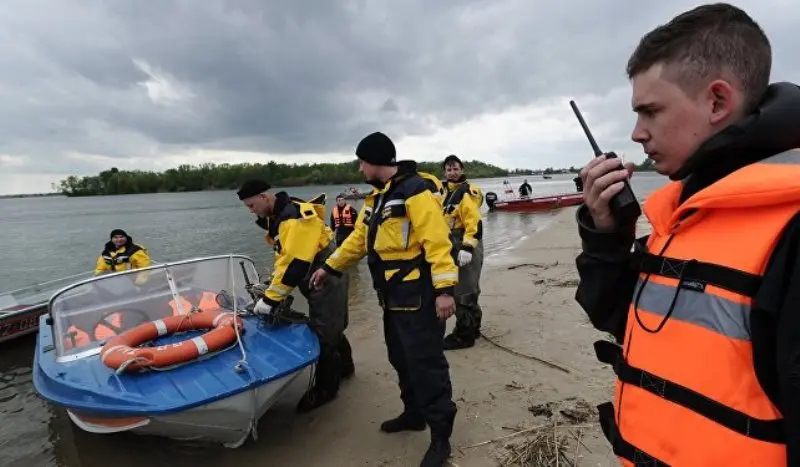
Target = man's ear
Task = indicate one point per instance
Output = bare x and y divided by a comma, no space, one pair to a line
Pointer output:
723,100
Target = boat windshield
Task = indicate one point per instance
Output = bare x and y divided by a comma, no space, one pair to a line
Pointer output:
37,295
86,314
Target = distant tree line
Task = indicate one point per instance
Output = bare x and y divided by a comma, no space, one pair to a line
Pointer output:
646,165
230,176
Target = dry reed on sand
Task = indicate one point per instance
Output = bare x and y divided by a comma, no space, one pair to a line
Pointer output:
547,446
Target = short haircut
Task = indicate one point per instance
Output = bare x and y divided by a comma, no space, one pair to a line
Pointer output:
706,43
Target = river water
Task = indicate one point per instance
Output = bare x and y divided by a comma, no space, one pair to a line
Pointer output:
47,238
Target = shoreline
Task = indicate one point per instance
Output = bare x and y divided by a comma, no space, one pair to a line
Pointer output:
508,400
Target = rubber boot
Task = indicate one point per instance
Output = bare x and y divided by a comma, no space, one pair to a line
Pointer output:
314,398
326,384
437,454
454,341
404,422
348,367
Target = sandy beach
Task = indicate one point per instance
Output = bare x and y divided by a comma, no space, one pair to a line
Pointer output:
529,308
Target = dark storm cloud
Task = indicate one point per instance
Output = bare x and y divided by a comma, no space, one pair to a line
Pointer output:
303,76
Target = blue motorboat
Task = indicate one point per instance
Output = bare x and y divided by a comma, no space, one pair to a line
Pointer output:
218,397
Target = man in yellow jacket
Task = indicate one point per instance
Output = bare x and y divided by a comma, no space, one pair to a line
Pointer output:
464,219
297,232
402,232
121,254
434,185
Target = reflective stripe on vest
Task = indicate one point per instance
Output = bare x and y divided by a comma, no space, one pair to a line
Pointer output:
346,219
687,392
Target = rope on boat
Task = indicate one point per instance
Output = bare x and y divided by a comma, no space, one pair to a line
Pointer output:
241,364
128,362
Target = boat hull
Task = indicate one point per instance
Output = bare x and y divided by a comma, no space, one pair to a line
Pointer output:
15,324
204,401
538,204
228,421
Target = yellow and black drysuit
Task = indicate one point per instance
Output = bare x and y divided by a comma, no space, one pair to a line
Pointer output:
464,219
302,242
403,234
128,256
434,185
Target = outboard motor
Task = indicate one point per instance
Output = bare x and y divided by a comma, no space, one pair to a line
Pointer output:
491,198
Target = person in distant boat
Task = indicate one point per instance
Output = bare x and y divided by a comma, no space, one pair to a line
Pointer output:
121,254
302,242
578,184
343,218
463,216
525,189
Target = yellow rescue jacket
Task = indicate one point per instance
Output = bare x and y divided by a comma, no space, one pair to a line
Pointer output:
463,214
687,393
127,257
297,233
403,233
124,258
435,185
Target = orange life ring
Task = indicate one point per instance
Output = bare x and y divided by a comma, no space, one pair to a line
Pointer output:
122,351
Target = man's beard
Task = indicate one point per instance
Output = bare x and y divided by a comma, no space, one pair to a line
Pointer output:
377,183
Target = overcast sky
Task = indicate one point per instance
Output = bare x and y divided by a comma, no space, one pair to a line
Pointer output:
86,85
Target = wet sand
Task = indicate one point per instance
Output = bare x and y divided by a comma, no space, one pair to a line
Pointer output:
529,307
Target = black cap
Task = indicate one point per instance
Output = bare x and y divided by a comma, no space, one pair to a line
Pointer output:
252,187
116,232
452,158
377,149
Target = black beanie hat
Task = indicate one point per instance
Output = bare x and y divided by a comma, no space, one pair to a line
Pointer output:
117,232
452,158
377,149
252,187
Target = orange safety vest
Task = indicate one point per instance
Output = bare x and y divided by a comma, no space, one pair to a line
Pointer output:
207,302
77,337
687,392
345,219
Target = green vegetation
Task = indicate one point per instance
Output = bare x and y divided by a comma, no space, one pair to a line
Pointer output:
645,166
230,176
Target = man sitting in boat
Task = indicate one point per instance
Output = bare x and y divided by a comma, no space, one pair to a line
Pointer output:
343,218
464,219
525,189
302,242
121,254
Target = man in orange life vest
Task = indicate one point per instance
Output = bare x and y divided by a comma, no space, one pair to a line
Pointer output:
343,219
706,306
